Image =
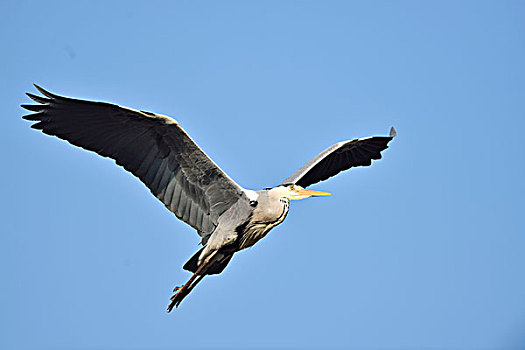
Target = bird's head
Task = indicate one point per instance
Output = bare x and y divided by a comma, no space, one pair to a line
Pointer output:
294,192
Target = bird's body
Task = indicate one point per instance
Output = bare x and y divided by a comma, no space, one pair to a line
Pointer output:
244,225
161,154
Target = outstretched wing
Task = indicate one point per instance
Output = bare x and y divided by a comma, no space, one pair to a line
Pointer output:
152,147
341,156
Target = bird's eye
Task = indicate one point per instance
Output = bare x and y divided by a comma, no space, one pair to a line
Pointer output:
292,187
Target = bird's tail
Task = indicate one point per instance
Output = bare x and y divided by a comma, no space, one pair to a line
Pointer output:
216,266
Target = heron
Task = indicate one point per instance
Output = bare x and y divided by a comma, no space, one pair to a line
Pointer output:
156,149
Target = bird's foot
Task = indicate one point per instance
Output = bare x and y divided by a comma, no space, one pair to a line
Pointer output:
176,299
176,289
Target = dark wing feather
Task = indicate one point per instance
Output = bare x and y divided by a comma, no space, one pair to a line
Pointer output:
153,147
341,156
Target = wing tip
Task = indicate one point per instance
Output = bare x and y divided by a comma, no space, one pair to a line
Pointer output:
393,132
34,108
46,93
39,88
39,99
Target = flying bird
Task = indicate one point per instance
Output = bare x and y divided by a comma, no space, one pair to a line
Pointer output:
156,149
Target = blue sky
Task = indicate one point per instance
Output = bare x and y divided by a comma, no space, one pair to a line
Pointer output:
424,249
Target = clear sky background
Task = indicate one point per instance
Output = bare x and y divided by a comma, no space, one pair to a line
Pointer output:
424,249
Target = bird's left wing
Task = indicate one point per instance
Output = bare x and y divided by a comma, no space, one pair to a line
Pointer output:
341,156
151,146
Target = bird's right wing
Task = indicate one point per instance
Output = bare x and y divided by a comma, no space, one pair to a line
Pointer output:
341,156
151,146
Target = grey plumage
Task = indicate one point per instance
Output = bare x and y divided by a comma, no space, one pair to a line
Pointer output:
162,155
151,146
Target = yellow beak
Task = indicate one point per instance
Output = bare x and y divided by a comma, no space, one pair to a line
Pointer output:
311,193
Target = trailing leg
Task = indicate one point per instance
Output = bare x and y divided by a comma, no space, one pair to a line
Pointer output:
182,292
